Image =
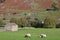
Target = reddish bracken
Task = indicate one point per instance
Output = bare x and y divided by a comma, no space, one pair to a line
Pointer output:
26,4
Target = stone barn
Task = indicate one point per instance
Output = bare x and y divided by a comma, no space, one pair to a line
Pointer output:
11,27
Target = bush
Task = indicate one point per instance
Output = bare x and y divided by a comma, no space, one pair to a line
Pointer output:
15,20
2,23
55,6
58,25
49,22
35,22
22,22
27,22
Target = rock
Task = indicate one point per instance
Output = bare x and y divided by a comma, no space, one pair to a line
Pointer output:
11,27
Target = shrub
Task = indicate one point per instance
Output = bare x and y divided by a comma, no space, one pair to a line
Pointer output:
25,21
22,22
15,20
35,22
2,23
49,22
58,25
54,6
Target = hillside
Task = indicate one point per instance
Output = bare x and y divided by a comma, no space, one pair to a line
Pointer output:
27,4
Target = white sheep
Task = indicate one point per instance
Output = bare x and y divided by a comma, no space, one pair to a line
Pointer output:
28,35
43,35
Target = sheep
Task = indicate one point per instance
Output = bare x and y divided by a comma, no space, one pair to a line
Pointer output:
43,35
28,35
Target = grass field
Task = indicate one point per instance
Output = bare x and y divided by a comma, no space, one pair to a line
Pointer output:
52,34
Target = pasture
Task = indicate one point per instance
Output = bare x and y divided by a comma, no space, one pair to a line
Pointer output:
52,34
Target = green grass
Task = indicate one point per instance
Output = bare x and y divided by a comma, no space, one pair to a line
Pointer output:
52,34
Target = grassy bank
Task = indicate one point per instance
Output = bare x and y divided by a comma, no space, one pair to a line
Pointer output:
52,34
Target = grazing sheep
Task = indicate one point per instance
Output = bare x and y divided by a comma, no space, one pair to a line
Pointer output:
28,35
43,35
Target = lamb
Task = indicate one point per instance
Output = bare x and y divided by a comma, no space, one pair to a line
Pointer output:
43,35
28,35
